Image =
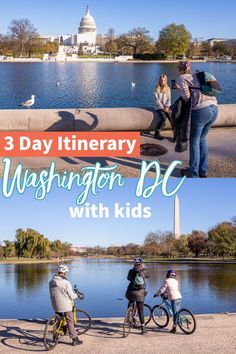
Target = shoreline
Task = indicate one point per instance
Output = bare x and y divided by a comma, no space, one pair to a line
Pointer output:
112,61
69,259
97,319
35,261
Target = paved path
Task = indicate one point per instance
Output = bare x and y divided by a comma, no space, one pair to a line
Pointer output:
222,157
214,334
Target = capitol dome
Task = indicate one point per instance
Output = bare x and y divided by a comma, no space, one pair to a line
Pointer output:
87,24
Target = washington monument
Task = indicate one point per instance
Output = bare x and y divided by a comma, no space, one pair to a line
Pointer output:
176,232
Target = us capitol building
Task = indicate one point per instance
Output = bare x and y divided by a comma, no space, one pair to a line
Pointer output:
84,41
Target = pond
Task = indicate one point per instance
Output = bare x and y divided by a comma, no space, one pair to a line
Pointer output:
24,288
94,84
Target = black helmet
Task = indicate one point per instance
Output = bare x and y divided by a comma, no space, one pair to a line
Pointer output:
138,260
171,274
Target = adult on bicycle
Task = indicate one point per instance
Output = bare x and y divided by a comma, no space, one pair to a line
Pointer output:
171,288
62,295
136,289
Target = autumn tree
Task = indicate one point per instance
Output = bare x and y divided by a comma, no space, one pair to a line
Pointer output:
8,249
223,237
173,39
221,49
205,49
181,246
197,242
6,44
193,49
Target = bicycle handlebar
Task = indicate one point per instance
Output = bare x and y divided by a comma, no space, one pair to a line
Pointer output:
78,293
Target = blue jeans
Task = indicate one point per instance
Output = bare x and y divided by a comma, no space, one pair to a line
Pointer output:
175,306
201,122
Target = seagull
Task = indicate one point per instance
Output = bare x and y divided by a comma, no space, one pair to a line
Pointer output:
28,103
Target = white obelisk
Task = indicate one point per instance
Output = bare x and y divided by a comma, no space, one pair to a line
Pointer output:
176,218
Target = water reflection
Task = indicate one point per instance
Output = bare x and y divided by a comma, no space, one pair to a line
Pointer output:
30,276
91,84
205,288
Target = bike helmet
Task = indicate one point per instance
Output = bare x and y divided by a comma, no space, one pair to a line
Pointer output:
171,274
62,269
138,260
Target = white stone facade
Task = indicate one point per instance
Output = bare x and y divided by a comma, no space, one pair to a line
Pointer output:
85,40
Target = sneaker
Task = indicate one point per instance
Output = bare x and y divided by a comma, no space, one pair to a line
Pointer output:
158,136
202,175
173,330
76,341
186,172
143,330
65,330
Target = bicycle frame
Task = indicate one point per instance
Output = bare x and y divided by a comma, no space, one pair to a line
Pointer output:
62,324
167,306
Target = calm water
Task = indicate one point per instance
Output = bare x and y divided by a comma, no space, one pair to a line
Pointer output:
24,288
96,84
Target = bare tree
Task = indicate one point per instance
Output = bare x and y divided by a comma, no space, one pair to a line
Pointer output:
5,44
24,33
138,40
111,45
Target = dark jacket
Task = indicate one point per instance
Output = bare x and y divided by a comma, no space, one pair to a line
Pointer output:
181,120
134,292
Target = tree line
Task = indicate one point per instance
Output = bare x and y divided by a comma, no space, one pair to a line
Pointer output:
219,241
31,244
23,39
174,40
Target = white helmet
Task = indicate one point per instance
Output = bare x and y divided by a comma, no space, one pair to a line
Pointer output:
62,269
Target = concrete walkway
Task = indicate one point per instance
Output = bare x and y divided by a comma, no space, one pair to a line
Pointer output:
214,334
222,157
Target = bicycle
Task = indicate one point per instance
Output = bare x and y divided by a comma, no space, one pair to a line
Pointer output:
162,312
56,326
131,319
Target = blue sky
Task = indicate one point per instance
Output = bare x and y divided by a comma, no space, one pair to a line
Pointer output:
203,18
203,203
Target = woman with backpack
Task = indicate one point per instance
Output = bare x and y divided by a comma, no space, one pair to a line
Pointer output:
204,114
136,289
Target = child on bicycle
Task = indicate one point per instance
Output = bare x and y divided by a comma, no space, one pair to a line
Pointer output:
136,289
171,288
62,295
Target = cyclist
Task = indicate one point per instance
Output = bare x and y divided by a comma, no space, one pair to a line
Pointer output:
171,288
136,289
62,295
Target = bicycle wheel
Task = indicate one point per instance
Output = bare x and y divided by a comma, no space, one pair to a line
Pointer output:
50,336
83,321
147,316
186,321
160,316
128,320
